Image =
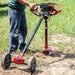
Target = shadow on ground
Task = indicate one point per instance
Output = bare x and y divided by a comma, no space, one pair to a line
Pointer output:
59,54
55,54
3,5
3,11
37,71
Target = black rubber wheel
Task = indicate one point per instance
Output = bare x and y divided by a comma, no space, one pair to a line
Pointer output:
6,61
32,64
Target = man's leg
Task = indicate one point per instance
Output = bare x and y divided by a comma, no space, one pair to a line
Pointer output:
14,29
23,32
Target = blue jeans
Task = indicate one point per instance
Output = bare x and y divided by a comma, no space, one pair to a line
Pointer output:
18,28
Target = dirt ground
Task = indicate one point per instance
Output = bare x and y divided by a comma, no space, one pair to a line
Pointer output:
60,63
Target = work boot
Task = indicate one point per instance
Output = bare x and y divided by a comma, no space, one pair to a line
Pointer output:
22,46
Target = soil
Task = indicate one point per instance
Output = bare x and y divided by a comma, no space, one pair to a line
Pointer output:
57,64
60,63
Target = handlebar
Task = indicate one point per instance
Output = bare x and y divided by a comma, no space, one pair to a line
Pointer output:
57,11
46,8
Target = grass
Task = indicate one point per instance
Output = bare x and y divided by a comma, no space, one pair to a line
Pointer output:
62,23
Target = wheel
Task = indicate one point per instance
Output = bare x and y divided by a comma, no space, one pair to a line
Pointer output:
31,64
6,61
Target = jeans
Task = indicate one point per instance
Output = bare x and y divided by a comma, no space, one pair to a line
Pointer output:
18,28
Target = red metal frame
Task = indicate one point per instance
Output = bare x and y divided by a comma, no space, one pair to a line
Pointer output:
48,50
19,59
52,9
56,11
46,35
